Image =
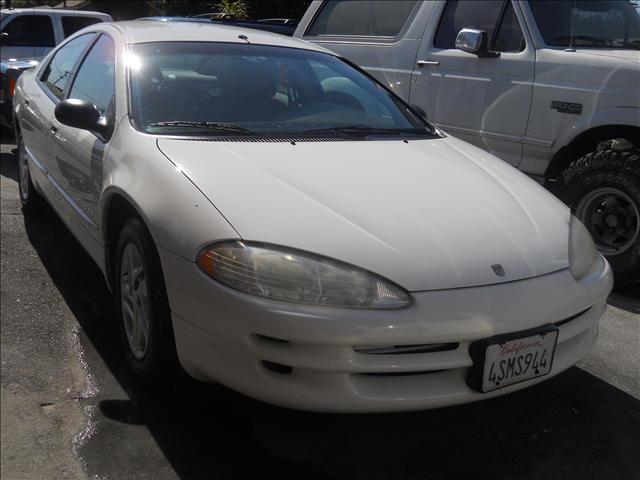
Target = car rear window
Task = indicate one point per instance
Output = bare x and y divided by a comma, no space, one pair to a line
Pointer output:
378,18
71,25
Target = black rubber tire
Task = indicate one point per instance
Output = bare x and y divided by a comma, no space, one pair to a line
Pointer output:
31,200
613,169
160,362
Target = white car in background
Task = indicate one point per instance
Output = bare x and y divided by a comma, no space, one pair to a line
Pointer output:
277,221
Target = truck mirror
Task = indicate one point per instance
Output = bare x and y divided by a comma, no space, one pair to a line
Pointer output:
474,41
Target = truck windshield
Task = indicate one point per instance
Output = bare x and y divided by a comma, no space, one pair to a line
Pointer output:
201,88
588,23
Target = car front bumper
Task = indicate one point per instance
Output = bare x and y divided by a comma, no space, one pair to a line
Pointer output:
328,359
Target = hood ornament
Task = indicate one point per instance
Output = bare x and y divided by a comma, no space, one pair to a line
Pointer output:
498,270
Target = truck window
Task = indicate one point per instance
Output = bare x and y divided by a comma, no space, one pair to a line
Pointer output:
57,73
596,23
509,37
377,18
71,25
459,14
29,31
481,15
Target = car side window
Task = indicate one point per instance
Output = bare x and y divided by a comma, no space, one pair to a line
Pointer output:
71,25
95,80
459,14
29,31
377,18
58,71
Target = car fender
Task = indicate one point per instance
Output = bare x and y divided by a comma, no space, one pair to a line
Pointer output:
179,217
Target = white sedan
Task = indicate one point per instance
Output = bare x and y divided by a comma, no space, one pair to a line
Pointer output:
271,218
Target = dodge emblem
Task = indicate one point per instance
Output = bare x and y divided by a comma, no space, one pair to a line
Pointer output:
498,270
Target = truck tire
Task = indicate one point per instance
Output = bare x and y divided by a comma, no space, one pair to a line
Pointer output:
602,188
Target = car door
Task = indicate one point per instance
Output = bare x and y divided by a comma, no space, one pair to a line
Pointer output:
39,102
26,36
483,100
78,154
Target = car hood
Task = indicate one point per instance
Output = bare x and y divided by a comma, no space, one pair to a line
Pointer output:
427,214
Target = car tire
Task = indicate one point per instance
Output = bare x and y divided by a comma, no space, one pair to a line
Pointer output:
141,299
602,188
30,198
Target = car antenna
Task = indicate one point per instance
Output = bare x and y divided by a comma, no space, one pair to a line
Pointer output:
572,27
244,37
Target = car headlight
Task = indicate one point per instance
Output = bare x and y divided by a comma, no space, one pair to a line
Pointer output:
583,254
291,275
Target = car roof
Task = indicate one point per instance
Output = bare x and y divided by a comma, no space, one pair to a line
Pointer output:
144,31
57,11
176,19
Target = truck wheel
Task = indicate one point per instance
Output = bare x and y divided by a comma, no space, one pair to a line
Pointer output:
602,189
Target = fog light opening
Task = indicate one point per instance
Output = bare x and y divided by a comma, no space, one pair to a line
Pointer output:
277,367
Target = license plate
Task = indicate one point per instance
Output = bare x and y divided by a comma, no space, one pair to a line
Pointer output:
507,359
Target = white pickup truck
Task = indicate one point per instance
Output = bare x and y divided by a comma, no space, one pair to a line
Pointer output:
552,87
27,35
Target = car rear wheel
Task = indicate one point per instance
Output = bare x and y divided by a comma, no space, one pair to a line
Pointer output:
30,199
603,190
142,306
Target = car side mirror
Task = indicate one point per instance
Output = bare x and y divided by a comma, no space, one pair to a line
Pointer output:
474,41
4,35
82,114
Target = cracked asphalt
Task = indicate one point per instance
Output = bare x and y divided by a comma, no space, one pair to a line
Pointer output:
70,409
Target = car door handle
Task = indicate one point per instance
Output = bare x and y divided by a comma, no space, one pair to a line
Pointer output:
422,63
53,128
26,103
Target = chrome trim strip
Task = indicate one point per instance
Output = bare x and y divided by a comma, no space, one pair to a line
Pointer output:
501,136
72,202
37,163
59,188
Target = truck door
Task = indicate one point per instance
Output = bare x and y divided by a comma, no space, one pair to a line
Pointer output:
483,100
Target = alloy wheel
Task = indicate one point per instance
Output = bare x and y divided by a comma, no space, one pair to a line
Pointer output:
134,299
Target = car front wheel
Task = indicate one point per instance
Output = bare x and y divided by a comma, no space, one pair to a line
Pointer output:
142,306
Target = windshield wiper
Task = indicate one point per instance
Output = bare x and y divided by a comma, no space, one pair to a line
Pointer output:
364,130
220,127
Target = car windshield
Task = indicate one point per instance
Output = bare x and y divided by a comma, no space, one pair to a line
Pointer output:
185,88
588,23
